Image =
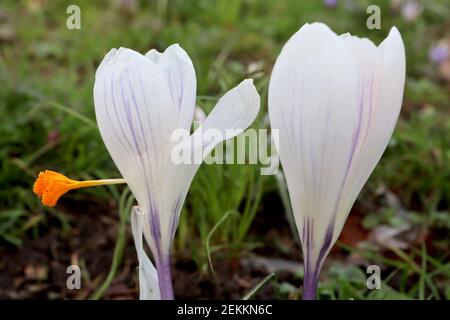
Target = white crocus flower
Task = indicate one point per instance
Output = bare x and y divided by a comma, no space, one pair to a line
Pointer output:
335,100
139,102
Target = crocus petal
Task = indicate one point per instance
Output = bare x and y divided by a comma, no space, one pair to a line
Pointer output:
336,101
139,103
233,113
148,278
180,75
312,101
135,116
381,78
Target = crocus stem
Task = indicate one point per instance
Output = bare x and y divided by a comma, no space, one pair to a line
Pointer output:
310,282
164,278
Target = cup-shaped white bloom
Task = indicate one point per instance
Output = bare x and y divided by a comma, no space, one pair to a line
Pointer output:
335,100
140,101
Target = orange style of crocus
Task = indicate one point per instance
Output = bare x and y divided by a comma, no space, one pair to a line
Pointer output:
51,185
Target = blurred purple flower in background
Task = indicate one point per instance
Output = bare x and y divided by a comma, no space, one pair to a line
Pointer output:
411,9
330,3
439,53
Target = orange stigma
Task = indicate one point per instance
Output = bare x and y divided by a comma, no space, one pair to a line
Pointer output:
51,185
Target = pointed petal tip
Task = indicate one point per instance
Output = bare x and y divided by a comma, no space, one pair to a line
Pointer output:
110,55
345,35
315,30
394,30
248,81
394,39
251,91
174,47
318,24
316,27
153,55
248,90
119,56
394,35
179,52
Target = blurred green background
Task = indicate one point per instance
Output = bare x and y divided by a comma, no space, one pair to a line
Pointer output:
232,214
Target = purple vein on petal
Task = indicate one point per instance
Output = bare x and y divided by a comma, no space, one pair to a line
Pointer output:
118,136
313,267
155,229
129,118
307,241
133,98
326,245
356,137
152,135
175,217
116,111
153,214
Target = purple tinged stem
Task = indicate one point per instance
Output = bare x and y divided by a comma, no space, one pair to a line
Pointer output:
163,260
312,268
310,282
164,277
